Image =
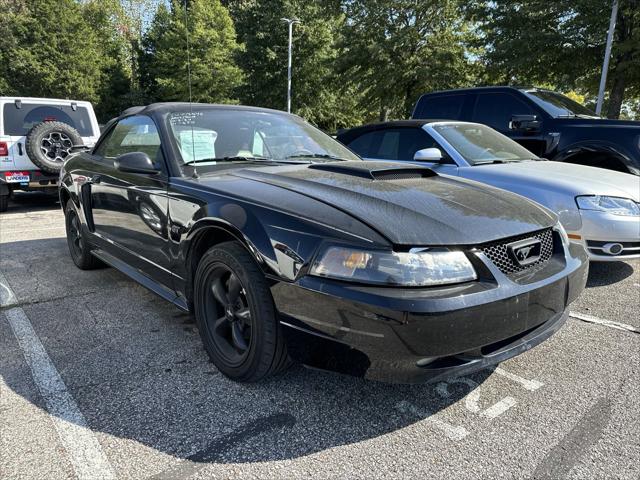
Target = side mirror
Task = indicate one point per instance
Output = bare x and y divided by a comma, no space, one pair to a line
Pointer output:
135,162
524,122
428,155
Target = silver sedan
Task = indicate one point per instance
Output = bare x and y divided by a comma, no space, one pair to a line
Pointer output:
598,208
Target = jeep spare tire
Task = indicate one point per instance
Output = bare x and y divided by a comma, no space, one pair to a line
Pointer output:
48,144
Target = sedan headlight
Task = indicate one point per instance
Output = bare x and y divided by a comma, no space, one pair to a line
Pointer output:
418,267
612,205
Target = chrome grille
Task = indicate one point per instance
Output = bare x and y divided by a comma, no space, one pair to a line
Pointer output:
498,254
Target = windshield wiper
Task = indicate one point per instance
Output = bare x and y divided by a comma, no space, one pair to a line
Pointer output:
492,162
237,158
316,155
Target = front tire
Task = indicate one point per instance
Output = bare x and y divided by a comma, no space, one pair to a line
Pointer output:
79,248
236,315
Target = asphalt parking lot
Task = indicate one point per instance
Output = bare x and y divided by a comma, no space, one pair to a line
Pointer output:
99,378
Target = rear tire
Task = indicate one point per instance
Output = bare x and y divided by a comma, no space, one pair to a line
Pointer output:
79,248
236,315
4,203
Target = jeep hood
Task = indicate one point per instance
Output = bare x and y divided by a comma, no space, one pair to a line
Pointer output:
410,205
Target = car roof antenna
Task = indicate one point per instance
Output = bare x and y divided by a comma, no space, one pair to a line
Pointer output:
191,119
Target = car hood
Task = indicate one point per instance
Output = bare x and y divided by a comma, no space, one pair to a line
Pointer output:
410,205
556,176
598,122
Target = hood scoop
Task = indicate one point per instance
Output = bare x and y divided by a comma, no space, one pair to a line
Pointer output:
371,171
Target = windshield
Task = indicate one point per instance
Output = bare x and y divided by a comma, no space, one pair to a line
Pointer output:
210,135
480,144
557,105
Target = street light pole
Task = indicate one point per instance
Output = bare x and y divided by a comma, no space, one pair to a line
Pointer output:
607,54
290,21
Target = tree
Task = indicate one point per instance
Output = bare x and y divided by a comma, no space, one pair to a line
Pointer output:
46,53
213,50
398,49
320,94
536,41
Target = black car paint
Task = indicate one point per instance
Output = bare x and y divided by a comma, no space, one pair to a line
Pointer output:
285,214
557,138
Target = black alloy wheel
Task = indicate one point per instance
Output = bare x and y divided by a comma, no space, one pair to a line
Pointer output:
79,249
236,315
227,308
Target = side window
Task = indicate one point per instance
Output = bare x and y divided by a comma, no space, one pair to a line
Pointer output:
496,109
447,107
412,140
133,134
365,143
393,143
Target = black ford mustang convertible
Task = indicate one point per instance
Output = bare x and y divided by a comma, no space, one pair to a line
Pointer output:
285,245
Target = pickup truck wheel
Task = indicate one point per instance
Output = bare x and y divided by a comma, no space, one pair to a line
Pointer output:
236,316
48,144
79,248
4,203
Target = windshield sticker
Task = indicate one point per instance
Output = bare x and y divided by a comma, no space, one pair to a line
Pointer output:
197,144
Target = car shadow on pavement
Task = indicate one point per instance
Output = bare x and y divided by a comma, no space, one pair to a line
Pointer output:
607,273
24,202
135,366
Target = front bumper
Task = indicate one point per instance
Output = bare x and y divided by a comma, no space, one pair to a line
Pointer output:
601,228
417,335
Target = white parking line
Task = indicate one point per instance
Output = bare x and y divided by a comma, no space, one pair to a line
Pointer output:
607,323
499,408
85,453
451,431
531,385
7,297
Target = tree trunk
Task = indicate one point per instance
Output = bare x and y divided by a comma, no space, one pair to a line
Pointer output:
384,113
617,94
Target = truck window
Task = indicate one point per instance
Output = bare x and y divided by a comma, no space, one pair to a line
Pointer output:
445,107
18,121
496,109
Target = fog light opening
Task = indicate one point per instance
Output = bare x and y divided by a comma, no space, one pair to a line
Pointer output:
612,248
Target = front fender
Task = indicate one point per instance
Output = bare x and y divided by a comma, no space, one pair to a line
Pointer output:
597,147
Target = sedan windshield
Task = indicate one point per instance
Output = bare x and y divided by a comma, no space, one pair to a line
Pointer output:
558,105
212,135
479,144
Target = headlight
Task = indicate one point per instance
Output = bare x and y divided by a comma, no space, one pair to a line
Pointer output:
415,268
612,205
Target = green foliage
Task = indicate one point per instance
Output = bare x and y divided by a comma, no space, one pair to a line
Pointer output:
398,49
560,43
320,94
353,60
46,53
213,49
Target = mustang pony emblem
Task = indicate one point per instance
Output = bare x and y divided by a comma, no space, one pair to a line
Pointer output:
525,252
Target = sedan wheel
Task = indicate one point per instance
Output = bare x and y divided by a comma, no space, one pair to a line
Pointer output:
236,315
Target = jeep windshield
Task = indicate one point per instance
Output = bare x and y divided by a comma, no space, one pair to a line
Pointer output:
481,145
207,136
558,105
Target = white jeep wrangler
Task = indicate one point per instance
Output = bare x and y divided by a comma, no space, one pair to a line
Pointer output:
36,135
